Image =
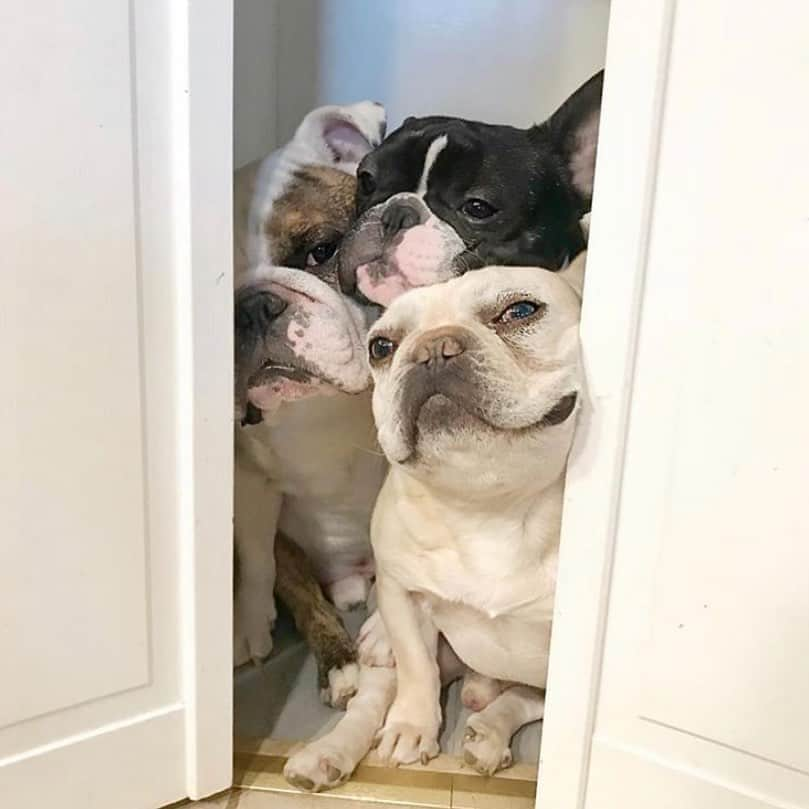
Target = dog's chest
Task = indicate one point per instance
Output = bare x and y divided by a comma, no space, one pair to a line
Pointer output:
498,566
325,448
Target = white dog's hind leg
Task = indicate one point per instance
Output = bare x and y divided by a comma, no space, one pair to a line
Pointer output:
479,691
488,733
330,760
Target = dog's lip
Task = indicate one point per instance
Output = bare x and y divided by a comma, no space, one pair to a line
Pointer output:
310,375
566,405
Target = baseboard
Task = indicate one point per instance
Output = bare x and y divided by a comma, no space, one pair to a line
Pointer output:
444,783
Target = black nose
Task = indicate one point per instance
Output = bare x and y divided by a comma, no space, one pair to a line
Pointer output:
400,215
256,310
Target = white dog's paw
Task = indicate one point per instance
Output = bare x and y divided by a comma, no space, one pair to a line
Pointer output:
484,747
479,691
314,768
406,743
349,593
373,646
342,685
255,618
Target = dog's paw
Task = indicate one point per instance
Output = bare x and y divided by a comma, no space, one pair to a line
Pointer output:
484,747
373,646
406,743
255,618
314,769
348,593
341,686
479,691
241,653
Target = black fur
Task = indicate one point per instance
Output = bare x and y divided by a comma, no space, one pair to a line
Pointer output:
526,174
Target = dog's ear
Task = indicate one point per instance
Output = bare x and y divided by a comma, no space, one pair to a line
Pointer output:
573,130
340,136
573,274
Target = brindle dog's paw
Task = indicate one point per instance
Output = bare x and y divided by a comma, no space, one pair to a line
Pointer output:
342,684
337,669
484,747
316,768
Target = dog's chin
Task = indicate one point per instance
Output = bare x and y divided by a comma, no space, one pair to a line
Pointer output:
439,421
421,256
275,384
443,424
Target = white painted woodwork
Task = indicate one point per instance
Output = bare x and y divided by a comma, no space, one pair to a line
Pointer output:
681,661
114,424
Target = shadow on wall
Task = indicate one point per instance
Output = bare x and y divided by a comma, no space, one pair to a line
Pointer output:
505,61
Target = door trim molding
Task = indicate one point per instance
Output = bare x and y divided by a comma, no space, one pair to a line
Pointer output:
638,47
202,80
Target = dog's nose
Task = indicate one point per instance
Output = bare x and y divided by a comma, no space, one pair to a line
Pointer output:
255,310
400,215
436,348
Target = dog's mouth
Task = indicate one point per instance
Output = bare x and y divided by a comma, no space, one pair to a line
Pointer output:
271,371
442,412
275,382
398,245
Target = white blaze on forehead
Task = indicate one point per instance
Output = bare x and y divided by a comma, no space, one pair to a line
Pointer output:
435,149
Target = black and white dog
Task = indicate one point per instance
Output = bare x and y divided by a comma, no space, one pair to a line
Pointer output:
443,195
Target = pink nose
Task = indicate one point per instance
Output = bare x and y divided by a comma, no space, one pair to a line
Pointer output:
438,347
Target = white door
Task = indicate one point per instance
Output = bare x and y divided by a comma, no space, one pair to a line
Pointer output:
693,692
115,555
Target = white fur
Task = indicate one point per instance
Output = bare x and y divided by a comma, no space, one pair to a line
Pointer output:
434,149
499,553
312,466
476,505
311,146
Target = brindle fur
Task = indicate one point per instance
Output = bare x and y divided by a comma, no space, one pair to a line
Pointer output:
316,618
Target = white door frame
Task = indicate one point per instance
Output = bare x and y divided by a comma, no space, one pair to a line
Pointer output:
634,90
202,82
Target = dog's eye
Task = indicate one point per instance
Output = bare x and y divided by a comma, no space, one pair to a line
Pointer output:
521,310
366,181
478,209
320,253
380,348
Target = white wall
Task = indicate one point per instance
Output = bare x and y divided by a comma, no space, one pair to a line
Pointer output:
505,61
255,78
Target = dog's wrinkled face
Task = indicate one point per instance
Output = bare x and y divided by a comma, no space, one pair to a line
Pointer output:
483,369
302,196
512,196
296,334
396,246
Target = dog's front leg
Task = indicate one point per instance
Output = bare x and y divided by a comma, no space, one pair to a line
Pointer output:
411,729
257,505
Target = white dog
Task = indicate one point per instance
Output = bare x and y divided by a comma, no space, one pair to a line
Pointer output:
477,382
